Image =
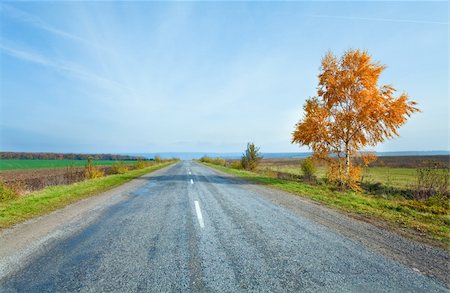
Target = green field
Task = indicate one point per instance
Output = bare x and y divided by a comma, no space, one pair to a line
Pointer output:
17,164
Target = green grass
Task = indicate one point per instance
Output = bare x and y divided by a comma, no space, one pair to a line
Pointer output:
40,164
404,178
51,198
426,220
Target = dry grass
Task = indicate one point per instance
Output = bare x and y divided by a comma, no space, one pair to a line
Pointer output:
119,168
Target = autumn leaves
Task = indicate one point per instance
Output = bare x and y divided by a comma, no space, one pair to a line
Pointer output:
351,111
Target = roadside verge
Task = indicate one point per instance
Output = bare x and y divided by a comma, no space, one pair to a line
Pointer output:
427,224
52,198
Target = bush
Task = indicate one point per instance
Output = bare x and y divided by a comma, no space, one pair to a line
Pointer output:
141,164
6,192
119,168
251,158
432,181
336,175
309,169
215,161
91,171
219,161
236,165
158,159
204,159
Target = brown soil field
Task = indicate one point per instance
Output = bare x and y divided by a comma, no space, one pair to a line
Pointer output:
35,179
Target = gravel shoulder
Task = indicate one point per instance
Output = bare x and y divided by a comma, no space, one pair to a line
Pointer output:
426,259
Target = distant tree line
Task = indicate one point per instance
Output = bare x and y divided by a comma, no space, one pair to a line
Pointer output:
60,156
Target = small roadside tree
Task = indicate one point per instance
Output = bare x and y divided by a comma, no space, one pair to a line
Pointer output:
351,111
309,169
251,158
91,171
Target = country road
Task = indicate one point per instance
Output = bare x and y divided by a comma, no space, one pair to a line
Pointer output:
189,228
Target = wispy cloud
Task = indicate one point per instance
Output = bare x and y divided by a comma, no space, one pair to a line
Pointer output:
382,19
62,66
37,22
27,56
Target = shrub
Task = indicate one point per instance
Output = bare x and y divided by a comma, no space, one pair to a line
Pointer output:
6,192
309,169
205,159
215,161
251,158
91,171
219,161
158,159
119,168
236,165
335,175
141,164
432,181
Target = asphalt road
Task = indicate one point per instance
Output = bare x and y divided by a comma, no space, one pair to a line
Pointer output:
189,228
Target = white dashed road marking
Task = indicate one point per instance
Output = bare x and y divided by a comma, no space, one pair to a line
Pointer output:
199,214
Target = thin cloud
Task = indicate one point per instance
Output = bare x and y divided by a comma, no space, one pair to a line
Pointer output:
63,66
27,56
382,19
37,22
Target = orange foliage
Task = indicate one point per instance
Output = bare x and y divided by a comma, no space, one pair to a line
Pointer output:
351,111
335,175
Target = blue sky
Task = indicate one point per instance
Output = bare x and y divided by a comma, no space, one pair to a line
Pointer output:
204,76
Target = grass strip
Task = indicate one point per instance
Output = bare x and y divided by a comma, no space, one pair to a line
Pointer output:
55,197
423,220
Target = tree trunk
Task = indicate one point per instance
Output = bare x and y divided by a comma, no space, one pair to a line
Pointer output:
347,162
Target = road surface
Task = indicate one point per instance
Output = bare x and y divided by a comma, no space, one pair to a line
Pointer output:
189,228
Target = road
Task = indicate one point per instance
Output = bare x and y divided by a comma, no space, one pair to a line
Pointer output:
189,228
